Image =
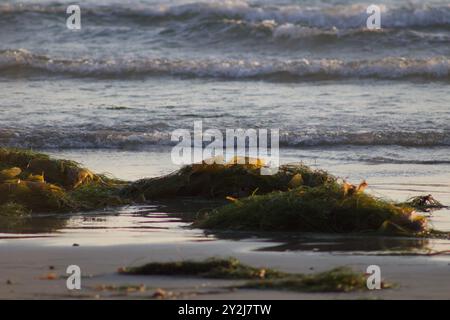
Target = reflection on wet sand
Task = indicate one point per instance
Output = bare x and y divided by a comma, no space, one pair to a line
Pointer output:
167,222
33,224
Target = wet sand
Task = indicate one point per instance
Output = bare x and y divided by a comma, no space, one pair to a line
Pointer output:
25,262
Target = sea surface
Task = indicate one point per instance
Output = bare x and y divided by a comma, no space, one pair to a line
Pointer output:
362,104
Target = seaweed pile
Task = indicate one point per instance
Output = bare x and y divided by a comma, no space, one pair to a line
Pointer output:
225,180
425,203
297,198
34,182
336,280
326,208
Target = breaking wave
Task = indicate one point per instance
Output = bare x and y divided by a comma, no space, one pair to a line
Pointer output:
14,62
123,139
326,16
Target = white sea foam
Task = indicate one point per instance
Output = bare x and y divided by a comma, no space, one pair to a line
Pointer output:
323,16
12,61
66,139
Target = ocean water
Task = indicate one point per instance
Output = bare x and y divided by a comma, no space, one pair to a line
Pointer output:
139,69
361,103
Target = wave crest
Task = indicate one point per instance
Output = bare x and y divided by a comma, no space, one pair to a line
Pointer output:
326,16
13,62
111,139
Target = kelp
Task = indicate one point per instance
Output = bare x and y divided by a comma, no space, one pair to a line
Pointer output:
63,173
42,184
36,196
426,203
341,279
12,215
336,280
230,268
326,208
222,180
98,195
10,173
11,209
297,198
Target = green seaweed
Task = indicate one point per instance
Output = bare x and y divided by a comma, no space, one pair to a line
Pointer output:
36,196
42,184
424,203
341,279
229,268
336,280
326,208
63,173
9,173
98,195
224,180
13,215
297,198
11,209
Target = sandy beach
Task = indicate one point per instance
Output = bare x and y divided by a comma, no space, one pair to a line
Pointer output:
25,263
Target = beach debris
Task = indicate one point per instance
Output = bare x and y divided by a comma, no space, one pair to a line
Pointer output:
42,184
36,178
232,199
425,203
296,181
160,294
327,208
64,173
11,173
122,288
231,179
11,209
350,189
75,245
336,280
36,196
9,282
340,279
49,276
67,174
296,198
229,268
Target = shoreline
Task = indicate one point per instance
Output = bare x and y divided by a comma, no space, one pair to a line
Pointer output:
414,277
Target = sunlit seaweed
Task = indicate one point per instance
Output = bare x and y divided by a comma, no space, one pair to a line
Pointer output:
326,208
222,180
42,184
297,198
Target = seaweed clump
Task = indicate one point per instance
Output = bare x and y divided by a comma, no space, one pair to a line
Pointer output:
38,183
11,209
327,208
230,268
30,165
12,215
341,279
425,203
336,280
233,179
